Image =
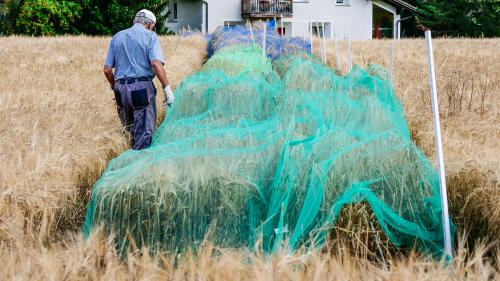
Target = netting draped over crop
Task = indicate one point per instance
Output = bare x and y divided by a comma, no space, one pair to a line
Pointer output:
275,45
271,151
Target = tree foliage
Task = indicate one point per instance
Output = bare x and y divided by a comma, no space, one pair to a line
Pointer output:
47,17
109,17
93,17
470,18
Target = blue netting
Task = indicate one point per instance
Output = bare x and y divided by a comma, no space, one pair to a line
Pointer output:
276,45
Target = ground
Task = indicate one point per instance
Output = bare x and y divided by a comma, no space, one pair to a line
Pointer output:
59,129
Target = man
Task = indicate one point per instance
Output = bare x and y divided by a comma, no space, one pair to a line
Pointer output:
136,55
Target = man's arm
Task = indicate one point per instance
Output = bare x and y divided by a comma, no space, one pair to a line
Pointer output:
109,63
160,72
108,72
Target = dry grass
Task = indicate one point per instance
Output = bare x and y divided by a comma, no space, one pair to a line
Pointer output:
96,259
469,90
59,129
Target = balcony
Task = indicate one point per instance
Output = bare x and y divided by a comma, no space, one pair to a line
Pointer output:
266,8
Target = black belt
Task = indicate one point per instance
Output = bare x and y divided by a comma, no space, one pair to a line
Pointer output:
133,80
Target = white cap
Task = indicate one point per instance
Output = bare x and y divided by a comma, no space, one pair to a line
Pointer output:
147,14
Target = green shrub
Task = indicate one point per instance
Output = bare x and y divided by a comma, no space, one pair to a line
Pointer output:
48,17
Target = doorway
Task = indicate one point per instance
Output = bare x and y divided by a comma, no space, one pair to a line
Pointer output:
383,23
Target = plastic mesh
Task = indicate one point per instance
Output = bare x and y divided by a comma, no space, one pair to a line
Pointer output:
275,45
255,150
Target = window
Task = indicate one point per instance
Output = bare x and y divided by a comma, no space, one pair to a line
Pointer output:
175,10
317,29
233,23
342,2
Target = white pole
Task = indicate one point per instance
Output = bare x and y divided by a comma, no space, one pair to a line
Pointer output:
377,241
391,63
439,147
399,29
264,40
304,31
349,55
282,29
203,19
307,29
251,34
337,56
323,45
311,35
331,31
318,34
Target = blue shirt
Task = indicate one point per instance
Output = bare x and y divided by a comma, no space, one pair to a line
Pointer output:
131,52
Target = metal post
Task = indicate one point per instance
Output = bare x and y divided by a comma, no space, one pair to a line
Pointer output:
349,55
377,241
331,31
323,45
439,147
399,29
316,24
337,56
204,17
251,34
305,30
310,28
282,28
320,44
391,63
264,40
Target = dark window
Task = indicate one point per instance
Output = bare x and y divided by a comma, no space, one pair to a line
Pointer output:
342,2
317,30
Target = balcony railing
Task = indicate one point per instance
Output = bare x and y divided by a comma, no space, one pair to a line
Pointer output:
267,8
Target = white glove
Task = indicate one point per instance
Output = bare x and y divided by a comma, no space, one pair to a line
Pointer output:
169,95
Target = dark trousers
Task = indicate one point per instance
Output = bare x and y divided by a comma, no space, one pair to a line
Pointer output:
136,104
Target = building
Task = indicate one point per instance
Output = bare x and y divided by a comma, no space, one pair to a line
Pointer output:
358,19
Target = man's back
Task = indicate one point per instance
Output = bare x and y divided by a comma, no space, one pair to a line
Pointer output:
131,52
136,55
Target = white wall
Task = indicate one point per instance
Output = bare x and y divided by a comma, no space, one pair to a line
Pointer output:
354,19
222,10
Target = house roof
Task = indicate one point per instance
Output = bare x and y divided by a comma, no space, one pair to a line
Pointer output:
402,4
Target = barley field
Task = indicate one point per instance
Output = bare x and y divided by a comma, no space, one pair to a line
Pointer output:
59,129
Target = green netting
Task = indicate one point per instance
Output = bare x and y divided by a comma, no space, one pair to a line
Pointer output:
271,152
